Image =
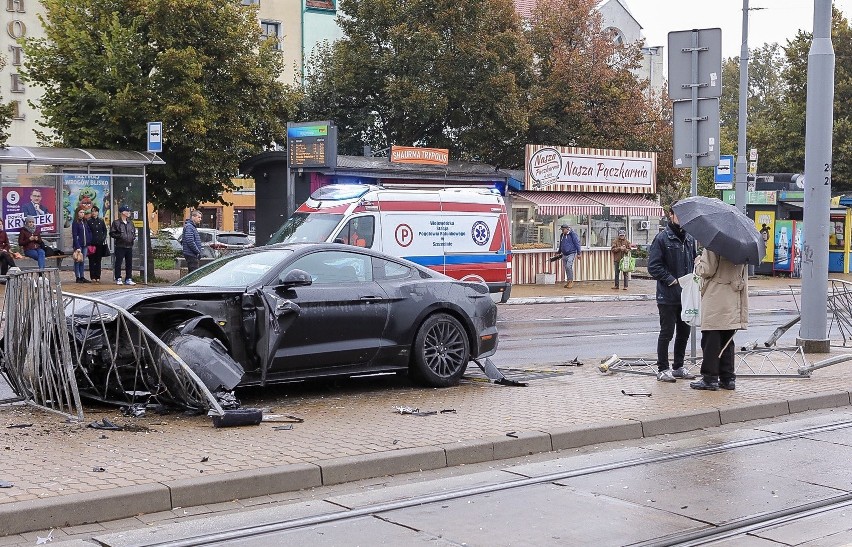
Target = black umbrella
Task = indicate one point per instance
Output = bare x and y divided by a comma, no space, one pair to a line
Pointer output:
722,228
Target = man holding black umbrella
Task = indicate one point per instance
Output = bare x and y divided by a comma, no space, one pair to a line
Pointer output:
672,255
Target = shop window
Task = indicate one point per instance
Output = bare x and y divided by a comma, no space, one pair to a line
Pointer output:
604,230
836,234
578,223
531,231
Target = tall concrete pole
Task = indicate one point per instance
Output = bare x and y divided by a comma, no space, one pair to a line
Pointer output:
740,171
818,127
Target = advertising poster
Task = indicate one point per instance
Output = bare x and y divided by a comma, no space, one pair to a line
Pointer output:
783,259
764,221
84,189
798,238
38,202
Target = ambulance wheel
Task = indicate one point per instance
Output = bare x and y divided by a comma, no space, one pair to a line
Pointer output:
441,351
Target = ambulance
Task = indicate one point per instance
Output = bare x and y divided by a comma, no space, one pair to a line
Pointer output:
460,232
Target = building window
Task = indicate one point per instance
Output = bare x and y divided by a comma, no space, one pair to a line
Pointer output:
320,4
271,30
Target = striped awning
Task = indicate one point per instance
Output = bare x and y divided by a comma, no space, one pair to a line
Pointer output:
629,204
561,203
575,203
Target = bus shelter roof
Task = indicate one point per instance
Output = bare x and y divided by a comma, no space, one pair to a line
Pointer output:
45,155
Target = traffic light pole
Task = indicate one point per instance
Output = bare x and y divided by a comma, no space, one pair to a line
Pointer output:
818,140
740,174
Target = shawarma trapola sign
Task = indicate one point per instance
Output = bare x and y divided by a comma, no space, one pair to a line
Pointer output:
571,169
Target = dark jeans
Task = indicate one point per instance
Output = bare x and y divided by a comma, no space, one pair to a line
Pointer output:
95,265
671,326
191,263
713,365
623,274
6,262
125,254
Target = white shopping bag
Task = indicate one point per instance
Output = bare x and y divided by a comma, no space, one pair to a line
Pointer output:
690,299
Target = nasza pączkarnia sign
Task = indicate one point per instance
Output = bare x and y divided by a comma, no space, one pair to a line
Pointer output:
589,170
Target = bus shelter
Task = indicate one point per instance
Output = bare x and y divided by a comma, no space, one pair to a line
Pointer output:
50,183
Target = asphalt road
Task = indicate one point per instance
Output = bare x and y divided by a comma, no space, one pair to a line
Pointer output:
591,331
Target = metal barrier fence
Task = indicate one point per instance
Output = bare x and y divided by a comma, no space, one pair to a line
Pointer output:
36,352
51,339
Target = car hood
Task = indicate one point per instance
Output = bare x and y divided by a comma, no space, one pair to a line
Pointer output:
128,298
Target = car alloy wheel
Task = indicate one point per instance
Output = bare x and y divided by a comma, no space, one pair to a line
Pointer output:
441,351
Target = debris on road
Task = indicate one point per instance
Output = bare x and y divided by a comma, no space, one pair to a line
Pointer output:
283,418
107,424
635,394
4,484
18,426
513,434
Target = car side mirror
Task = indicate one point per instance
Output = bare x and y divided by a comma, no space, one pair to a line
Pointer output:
296,278
339,240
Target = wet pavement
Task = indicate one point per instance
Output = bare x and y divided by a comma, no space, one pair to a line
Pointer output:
69,474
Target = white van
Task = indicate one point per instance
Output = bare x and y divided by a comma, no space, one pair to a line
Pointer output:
460,232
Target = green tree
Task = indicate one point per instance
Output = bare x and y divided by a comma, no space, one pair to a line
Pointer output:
109,66
766,97
436,73
780,133
585,92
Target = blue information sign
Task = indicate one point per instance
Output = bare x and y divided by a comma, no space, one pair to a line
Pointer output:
155,136
725,170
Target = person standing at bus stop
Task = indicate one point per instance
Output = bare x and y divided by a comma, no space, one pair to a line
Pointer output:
123,232
569,248
191,241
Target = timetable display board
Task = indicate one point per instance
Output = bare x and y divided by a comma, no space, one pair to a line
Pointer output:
312,144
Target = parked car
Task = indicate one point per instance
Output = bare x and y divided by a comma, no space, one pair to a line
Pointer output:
281,313
165,243
216,243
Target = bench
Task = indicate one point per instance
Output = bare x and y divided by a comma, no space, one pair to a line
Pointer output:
57,261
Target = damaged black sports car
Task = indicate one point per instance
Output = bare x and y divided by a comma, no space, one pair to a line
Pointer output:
290,312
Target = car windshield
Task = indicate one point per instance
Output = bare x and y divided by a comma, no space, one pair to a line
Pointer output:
235,271
233,239
306,228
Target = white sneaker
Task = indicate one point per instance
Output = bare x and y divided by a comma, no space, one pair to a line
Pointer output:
129,282
119,282
666,376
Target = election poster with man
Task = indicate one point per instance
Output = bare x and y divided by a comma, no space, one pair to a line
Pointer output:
21,202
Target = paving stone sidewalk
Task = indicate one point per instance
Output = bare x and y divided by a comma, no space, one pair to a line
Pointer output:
69,474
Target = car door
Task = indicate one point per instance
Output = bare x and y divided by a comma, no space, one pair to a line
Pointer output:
342,314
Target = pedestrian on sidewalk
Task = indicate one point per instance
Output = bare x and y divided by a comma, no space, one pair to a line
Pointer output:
191,241
569,248
724,311
98,248
672,255
123,232
7,259
81,235
620,247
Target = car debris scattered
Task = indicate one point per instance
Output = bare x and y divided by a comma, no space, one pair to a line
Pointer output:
18,426
98,470
513,434
42,540
4,484
635,394
107,424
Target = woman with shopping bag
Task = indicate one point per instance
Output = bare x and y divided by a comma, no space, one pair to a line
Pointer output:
620,251
724,311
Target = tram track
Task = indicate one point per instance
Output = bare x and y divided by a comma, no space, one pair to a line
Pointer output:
689,537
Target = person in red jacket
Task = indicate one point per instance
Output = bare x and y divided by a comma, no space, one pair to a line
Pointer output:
7,259
30,241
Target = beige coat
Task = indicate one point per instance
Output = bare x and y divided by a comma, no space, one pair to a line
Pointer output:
724,293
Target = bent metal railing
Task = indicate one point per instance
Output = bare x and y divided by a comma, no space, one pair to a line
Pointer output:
36,360
43,361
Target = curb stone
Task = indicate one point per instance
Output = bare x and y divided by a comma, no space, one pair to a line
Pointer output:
78,509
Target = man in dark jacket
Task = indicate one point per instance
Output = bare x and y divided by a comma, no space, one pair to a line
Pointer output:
672,255
191,241
569,249
123,232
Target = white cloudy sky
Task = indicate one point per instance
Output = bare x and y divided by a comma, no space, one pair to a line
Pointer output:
778,22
